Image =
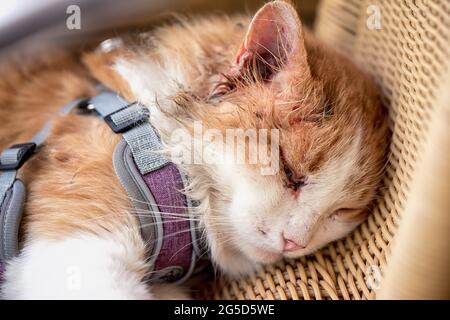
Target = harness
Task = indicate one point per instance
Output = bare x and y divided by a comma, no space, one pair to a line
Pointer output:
154,186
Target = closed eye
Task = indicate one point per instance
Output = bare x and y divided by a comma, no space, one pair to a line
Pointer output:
292,181
226,85
349,215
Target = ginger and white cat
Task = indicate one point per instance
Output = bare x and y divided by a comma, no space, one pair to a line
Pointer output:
79,239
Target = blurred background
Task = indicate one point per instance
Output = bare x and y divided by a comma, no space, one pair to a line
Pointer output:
34,25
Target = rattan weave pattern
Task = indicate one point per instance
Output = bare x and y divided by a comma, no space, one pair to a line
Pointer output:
408,57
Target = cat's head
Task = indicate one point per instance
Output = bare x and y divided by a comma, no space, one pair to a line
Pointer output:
329,129
328,152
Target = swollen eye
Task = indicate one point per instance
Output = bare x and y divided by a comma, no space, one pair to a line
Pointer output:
293,182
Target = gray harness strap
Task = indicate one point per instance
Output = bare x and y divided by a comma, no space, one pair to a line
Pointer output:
132,121
140,146
140,150
122,117
152,182
12,190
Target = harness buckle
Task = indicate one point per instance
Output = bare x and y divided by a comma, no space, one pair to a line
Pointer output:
126,118
15,156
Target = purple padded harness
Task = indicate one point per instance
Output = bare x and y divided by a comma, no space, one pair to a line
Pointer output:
166,184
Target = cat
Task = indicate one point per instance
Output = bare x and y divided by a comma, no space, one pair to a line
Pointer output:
79,240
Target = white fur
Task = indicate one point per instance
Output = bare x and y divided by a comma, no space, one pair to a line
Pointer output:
82,266
152,84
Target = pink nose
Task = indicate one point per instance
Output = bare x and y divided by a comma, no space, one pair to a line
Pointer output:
290,245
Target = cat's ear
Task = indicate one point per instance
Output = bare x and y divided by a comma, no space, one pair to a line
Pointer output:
275,39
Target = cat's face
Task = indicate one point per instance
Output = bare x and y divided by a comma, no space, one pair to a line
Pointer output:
329,147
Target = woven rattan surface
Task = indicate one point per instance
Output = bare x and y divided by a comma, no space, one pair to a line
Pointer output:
408,57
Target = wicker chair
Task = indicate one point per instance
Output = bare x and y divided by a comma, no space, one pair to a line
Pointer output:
410,59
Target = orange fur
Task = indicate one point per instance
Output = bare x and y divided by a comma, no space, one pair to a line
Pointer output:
71,182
